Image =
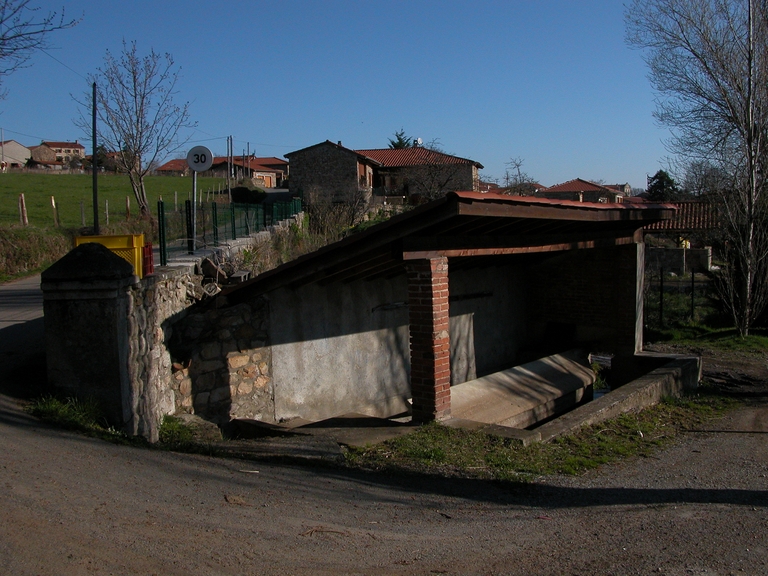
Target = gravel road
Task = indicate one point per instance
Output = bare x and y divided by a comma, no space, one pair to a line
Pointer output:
73,505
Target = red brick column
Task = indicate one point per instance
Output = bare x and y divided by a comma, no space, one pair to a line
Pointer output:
430,341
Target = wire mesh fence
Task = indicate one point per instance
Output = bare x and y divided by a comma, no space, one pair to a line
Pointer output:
188,228
671,301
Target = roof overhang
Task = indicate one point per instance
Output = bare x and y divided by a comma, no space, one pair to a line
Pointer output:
465,227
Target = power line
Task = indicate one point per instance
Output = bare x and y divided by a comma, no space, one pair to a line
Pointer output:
62,63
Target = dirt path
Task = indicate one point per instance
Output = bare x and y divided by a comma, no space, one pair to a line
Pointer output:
72,505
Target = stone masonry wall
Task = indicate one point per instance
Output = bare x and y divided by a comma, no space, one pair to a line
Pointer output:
153,305
222,363
324,170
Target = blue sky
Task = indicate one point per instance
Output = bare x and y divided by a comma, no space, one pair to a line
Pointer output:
548,81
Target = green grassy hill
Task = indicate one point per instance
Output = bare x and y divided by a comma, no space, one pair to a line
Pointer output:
70,190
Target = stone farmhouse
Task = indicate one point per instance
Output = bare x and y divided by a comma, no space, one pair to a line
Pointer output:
13,155
328,170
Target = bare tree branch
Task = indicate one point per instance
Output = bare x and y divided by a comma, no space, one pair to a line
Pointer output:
22,33
708,62
137,115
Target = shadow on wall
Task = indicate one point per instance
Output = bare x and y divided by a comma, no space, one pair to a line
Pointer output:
221,362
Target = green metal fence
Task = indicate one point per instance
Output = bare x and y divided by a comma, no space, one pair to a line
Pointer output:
216,223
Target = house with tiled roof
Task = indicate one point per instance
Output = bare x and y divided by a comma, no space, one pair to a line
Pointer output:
13,155
580,190
268,172
50,152
338,172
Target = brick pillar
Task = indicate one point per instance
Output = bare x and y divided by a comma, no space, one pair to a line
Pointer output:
430,341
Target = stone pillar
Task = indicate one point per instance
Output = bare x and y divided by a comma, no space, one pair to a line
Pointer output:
86,305
429,337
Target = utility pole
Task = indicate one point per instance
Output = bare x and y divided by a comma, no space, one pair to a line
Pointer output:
94,167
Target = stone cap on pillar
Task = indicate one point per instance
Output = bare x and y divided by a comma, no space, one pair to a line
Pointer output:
91,267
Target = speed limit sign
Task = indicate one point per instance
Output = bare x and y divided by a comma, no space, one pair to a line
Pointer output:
199,159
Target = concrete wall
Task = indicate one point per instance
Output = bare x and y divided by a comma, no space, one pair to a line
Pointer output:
487,309
318,350
340,348
105,335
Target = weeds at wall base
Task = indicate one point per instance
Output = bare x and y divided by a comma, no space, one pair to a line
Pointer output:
436,448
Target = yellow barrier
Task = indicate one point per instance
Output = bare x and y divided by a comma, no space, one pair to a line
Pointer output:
127,246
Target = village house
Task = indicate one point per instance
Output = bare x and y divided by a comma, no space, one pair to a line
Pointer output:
328,170
61,153
267,172
13,155
581,190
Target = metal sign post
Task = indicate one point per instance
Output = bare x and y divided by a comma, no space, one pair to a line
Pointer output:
199,159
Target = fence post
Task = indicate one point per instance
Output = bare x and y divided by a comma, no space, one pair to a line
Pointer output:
202,217
55,212
82,214
161,233
234,223
693,294
215,222
23,210
661,299
188,214
106,211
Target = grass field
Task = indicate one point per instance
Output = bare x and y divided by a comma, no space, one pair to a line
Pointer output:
70,190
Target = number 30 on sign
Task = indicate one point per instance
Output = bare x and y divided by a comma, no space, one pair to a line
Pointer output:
199,159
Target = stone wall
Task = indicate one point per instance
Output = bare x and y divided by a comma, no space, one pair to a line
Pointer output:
153,305
222,363
432,180
324,169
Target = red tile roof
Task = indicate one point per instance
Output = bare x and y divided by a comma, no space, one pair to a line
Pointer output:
180,164
576,185
690,216
177,165
416,156
63,144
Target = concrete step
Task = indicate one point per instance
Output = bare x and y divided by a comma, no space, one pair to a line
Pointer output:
524,395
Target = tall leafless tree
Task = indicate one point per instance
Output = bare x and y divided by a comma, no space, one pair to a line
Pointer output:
708,62
23,31
137,115
517,182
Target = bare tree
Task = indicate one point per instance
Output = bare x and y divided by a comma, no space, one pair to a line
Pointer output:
332,215
517,182
708,61
438,173
137,115
22,33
